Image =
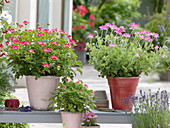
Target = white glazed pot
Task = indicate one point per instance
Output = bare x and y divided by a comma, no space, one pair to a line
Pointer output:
71,120
39,91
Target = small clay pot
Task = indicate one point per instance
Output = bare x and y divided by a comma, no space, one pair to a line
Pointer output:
11,104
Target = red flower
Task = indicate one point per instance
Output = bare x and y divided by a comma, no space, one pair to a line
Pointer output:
47,50
26,22
20,25
82,10
81,26
45,65
40,34
14,47
74,28
91,16
7,1
54,57
91,24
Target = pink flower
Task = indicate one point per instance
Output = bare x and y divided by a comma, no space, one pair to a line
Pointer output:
15,41
47,50
41,43
63,87
108,24
126,35
82,10
14,47
122,29
17,37
103,27
54,42
91,24
112,45
11,38
45,65
7,42
118,31
90,36
138,54
92,17
26,22
40,34
20,25
81,26
31,50
67,45
66,79
11,30
54,57
94,92
40,28
164,56
113,26
69,36
72,42
156,47
156,35
74,28
86,85
133,26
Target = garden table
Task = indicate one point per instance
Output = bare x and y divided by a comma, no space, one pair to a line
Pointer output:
55,117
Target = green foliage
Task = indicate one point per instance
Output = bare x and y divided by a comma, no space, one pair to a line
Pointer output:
89,119
72,96
116,54
104,11
40,52
151,110
14,125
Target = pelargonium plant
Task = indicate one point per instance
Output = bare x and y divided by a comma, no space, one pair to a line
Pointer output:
151,110
124,52
89,119
40,52
72,96
83,23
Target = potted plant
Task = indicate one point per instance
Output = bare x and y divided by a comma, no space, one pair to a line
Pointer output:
89,120
151,110
72,99
121,55
43,56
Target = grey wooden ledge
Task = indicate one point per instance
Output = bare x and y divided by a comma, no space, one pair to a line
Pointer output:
55,117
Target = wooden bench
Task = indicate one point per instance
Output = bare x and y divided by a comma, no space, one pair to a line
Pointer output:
55,117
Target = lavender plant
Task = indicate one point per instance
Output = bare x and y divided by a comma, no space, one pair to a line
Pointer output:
151,110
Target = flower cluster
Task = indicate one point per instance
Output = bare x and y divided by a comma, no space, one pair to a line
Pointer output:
124,52
39,52
73,96
89,119
151,110
82,22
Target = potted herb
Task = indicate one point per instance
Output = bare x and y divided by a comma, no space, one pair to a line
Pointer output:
72,99
121,55
43,56
90,120
151,110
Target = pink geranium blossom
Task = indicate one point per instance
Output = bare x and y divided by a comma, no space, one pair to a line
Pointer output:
40,34
54,57
54,42
92,17
14,47
31,50
90,36
45,65
47,50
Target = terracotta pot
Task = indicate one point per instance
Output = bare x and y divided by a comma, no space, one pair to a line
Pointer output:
11,104
39,91
71,120
121,89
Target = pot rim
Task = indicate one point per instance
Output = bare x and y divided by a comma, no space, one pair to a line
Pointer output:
47,77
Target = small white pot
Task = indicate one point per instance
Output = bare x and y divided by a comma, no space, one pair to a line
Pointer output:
39,91
71,120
